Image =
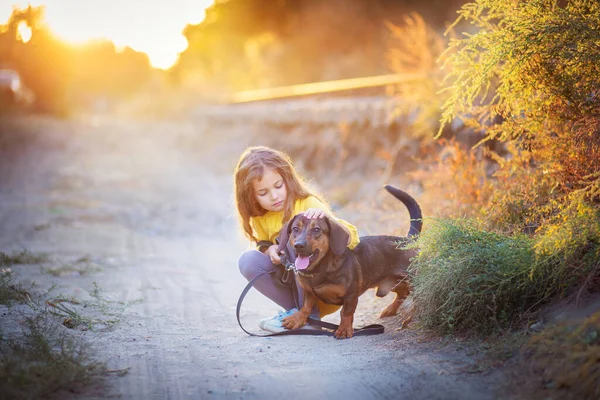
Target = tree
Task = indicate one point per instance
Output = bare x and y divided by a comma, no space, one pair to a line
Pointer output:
63,77
309,40
529,77
43,62
100,71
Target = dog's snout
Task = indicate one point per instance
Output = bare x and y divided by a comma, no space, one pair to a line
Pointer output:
299,244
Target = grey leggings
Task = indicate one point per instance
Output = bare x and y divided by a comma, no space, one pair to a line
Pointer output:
252,263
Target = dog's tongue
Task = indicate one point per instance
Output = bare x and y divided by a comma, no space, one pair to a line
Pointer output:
301,262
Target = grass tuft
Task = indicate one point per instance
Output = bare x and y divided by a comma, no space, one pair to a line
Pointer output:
10,291
106,312
44,360
46,357
21,257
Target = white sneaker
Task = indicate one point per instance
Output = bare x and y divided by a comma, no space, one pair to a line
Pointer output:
273,324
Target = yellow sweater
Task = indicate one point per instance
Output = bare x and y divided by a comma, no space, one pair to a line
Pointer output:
267,227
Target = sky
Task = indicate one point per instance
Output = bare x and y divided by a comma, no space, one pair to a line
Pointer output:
150,26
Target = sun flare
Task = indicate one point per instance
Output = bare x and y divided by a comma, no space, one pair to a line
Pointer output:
152,27
23,32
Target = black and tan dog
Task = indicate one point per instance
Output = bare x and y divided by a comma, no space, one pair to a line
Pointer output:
329,271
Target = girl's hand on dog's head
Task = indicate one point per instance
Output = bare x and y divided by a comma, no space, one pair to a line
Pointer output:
273,254
314,213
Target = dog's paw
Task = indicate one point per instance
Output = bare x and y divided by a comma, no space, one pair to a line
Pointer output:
294,321
388,312
391,309
344,333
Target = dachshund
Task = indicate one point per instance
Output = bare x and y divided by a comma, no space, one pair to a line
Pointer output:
328,270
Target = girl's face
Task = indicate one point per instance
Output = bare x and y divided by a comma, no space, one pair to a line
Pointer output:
270,191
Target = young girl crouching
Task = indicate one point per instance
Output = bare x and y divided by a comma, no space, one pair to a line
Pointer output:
268,193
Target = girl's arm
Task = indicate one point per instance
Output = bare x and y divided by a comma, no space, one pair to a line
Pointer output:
262,239
274,254
264,244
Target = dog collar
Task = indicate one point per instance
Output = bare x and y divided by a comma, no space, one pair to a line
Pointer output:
298,272
291,267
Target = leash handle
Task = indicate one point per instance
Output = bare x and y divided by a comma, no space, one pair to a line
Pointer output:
373,329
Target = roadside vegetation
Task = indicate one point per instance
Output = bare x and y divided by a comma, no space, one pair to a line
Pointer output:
518,185
40,354
514,162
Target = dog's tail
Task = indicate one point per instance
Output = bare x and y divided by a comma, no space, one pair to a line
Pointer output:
416,217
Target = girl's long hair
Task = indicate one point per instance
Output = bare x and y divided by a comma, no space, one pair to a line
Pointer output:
251,165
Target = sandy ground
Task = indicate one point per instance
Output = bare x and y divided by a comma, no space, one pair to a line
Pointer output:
149,205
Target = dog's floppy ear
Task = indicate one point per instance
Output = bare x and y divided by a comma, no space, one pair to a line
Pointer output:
284,234
338,237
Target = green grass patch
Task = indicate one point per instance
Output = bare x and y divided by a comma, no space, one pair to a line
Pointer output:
466,278
568,248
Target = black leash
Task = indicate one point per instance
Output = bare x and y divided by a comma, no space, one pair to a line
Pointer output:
328,329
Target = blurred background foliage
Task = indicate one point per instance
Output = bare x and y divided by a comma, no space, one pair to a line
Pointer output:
65,78
240,44
280,43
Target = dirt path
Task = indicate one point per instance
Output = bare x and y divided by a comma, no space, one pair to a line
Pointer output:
150,206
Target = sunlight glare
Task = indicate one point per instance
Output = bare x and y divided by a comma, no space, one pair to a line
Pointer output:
154,28
23,32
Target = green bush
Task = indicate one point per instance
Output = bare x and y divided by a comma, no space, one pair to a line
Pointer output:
468,278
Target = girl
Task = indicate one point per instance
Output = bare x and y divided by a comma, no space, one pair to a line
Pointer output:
268,193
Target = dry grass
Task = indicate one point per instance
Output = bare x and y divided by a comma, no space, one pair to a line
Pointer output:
97,313
10,291
21,257
81,266
45,356
43,360
568,357
456,180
